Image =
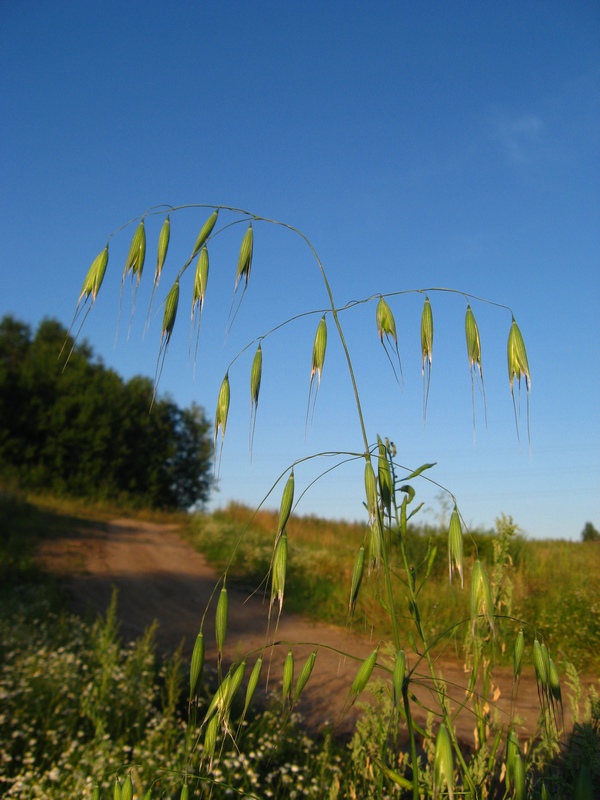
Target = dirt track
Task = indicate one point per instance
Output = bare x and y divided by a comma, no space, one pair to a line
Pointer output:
160,577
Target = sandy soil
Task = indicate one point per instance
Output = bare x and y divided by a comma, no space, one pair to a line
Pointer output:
160,577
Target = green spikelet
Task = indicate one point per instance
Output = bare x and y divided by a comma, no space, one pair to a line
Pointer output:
163,245
95,276
205,232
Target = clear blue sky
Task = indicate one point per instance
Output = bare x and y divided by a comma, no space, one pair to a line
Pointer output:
417,145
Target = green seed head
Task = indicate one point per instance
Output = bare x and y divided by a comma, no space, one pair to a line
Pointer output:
384,476
539,664
517,357
170,314
252,683
222,408
518,654
221,619
279,570
163,246
426,334
205,232
481,596
455,546
443,765
305,674
95,276
364,673
197,663
137,252
371,491
288,677
386,324
287,501
319,348
245,257
357,575
473,341
127,789
200,281
255,377
399,676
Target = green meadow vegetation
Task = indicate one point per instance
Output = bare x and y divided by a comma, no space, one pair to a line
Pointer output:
542,578
130,724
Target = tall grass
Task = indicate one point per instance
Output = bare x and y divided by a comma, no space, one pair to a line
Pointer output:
391,578
545,576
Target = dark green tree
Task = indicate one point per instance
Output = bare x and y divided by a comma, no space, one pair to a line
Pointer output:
590,533
77,428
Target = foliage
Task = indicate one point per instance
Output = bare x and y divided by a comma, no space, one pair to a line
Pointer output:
590,533
83,431
495,763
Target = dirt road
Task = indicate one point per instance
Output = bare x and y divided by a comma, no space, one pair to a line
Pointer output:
160,577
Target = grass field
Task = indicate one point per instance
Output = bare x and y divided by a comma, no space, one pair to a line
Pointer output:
84,714
552,584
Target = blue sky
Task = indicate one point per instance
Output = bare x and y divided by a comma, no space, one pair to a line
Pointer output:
416,145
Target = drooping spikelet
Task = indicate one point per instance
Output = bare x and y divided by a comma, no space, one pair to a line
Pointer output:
95,276
455,546
205,232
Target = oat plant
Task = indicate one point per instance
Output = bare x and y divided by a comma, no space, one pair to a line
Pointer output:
436,762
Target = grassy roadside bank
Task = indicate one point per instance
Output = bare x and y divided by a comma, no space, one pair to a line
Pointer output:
554,583
121,711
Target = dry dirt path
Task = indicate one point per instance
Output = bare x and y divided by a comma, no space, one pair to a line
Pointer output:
161,577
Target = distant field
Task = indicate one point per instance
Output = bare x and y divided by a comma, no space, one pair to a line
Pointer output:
553,585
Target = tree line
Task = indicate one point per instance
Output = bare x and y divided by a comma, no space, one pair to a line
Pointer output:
84,431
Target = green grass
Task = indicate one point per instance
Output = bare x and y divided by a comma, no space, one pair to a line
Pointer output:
552,584
80,707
